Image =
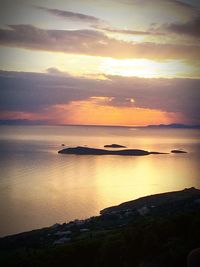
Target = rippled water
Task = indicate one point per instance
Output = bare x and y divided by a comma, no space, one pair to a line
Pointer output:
39,187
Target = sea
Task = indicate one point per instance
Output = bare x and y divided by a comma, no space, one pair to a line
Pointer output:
39,187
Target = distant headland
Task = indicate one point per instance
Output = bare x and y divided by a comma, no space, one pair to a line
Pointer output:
139,232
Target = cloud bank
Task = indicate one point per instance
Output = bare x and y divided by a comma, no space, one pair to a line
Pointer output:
71,15
191,27
37,92
89,42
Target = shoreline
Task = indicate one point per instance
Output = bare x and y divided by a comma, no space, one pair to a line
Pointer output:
149,231
156,204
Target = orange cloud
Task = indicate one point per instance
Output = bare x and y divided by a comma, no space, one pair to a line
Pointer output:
88,112
59,98
92,112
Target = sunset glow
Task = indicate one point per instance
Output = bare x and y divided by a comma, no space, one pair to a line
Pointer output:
112,63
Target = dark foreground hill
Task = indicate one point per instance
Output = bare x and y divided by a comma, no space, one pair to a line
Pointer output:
154,231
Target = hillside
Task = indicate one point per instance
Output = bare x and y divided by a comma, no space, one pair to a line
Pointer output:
135,233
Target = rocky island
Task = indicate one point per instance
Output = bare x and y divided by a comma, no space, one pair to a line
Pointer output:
79,150
115,146
178,151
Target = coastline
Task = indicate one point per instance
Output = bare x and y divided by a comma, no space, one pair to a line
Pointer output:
121,215
134,219
151,204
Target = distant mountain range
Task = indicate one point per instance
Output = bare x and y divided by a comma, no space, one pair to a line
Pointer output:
174,126
158,126
22,122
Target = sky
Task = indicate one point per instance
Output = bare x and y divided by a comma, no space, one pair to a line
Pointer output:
108,62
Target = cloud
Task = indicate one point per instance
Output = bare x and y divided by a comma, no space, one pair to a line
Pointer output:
123,31
56,72
191,27
174,3
182,4
170,95
31,92
71,15
95,22
90,42
41,92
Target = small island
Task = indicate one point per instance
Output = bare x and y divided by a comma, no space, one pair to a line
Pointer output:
79,150
115,146
178,151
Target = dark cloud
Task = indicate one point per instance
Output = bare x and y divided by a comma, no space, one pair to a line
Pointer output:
176,3
34,92
170,95
90,42
57,72
71,15
191,27
95,22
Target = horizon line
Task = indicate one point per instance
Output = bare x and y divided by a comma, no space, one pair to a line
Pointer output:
25,122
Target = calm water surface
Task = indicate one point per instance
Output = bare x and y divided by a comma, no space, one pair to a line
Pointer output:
39,187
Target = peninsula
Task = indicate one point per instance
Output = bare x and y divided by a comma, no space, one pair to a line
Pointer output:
157,230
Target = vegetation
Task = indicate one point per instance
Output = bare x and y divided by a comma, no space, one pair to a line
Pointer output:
162,241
